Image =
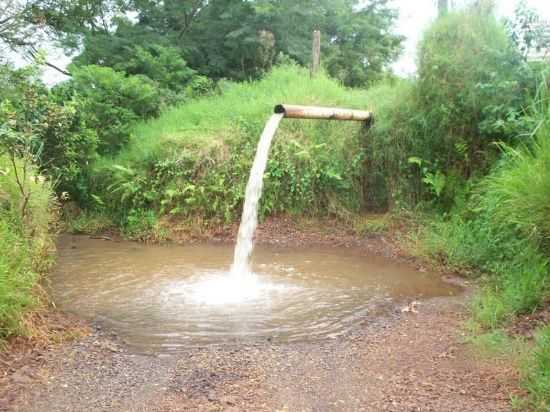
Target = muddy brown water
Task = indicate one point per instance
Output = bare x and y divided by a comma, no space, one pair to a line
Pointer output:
160,298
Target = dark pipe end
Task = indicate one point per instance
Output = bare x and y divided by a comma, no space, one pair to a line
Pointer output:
370,121
279,109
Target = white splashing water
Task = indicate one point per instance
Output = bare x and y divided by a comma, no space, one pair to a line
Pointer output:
249,220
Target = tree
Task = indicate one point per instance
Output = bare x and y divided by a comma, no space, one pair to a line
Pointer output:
469,89
360,46
38,130
235,39
15,29
529,32
23,28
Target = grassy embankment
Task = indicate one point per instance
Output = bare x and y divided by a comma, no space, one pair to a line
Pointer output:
27,211
466,148
191,164
501,235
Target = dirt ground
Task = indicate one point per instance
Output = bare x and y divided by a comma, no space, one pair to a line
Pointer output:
406,358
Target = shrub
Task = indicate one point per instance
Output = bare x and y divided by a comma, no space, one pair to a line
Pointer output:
55,135
24,240
68,147
469,76
163,65
112,102
434,134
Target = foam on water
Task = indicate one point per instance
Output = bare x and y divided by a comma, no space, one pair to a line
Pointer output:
240,285
221,289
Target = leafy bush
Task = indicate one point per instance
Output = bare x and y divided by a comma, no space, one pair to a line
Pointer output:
469,78
68,146
434,134
128,54
141,224
26,212
112,102
163,65
54,134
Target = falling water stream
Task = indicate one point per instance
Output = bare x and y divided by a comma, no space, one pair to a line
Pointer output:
249,220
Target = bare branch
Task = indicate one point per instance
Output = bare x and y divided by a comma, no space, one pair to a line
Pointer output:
33,53
59,69
26,196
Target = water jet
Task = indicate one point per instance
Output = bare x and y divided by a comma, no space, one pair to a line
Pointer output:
253,193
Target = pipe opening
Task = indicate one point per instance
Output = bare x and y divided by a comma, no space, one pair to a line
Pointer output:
278,109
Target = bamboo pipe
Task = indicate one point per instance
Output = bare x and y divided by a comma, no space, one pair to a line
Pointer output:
330,113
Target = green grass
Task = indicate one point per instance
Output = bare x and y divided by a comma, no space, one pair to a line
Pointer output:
214,119
497,343
88,223
17,278
194,160
537,372
25,243
502,235
520,189
514,272
371,224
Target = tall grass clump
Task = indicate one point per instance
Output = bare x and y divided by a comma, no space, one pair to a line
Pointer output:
521,189
26,213
503,232
194,160
537,372
436,133
481,150
390,181
515,205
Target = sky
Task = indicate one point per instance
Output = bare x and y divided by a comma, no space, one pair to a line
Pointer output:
414,17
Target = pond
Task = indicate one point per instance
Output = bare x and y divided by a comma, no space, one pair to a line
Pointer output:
159,298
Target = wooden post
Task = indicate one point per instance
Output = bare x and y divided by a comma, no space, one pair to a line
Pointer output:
442,7
315,53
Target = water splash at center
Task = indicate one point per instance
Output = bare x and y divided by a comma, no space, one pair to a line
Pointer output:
242,285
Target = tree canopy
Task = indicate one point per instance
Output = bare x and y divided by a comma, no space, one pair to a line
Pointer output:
233,39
